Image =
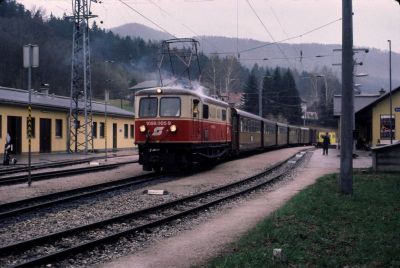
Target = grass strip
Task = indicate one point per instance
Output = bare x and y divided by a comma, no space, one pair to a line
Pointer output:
320,227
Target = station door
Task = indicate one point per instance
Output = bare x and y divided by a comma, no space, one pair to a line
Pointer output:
115,132
45,135
14,129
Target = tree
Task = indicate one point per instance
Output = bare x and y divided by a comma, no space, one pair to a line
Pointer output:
268,94
290,100
250,94
211,72
274,98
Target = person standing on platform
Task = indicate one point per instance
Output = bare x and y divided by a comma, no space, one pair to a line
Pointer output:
325,143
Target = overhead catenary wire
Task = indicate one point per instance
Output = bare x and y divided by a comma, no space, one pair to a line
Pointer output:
266,29
296,57
184,25
297,51
237,30
293,37
148,19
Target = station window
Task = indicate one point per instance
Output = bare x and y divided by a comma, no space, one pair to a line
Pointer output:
59,128
126,131
33,127
101,129
94,130
388,127
132,131
205,111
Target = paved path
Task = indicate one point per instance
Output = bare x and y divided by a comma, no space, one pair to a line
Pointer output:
196,246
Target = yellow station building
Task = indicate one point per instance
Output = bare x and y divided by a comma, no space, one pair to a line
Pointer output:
374,120
50,123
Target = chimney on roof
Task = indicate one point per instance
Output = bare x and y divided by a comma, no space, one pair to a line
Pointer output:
44,89
382,91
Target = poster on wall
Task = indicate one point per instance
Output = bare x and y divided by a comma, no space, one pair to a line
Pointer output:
386,128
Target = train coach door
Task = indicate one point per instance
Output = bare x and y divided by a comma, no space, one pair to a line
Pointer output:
196,129
235,132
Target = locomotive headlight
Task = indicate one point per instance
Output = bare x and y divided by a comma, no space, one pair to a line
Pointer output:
159,91
173,128
142,128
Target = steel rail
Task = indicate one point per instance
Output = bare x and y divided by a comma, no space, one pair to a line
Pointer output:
26,205
5,171
78,248
59,173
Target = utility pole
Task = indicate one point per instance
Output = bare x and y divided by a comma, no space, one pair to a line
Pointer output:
106,99
390,91
260,100
81,92
346,149
30,60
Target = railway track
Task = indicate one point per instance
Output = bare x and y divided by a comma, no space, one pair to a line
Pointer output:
59,173
62,244
10,169
34,204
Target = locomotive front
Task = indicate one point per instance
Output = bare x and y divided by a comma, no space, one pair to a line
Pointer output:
166,126
177,128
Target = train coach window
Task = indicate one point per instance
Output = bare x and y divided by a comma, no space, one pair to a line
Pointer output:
170,106
223,115
148,107
205,111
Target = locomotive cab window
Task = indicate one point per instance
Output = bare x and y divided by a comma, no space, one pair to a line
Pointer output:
148,107
170,106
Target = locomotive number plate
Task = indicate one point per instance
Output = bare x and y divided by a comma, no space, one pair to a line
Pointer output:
158,123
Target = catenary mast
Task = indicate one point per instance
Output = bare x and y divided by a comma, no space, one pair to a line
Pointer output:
80,116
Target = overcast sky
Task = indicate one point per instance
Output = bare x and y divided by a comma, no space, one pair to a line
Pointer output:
375,21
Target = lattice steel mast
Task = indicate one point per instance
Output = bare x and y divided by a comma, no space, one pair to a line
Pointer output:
80,135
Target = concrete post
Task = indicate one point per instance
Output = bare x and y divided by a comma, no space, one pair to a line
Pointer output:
346,149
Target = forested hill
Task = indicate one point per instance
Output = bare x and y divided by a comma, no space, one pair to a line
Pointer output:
310,57
117,62
19,27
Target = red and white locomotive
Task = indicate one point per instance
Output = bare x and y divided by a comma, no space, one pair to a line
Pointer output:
176,128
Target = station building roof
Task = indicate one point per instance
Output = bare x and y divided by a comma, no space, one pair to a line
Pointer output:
360,101
20,97
382,97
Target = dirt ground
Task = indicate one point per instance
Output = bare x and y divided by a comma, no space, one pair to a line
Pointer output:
196,246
